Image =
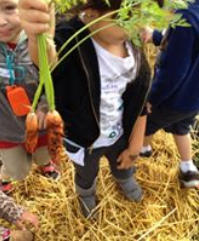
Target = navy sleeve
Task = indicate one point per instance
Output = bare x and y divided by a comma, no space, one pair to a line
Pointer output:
175,64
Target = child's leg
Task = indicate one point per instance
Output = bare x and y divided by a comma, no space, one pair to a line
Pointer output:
183,143
148,140
42,158
0,158
146,150
189,174
130,188
85,180
16,163
86,175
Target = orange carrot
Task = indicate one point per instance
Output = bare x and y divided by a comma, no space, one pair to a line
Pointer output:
55,133
32,134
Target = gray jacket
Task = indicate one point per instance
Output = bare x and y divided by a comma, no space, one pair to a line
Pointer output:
12,127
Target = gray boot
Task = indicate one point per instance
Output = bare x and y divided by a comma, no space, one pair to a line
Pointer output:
87,199
130,188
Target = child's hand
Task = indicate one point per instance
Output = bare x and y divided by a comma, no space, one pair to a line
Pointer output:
146,34
126,159
37,17
27,217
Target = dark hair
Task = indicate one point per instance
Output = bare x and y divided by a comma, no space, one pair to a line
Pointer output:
160,2
102,6
113,4
99,5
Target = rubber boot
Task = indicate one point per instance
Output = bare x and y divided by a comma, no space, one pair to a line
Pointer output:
130,188
87,199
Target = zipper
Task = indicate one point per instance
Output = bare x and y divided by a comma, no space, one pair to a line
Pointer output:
89,87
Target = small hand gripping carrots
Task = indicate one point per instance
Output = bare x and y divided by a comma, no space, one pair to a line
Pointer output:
55,133
32,134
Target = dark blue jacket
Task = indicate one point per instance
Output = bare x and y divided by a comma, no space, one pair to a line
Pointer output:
176,82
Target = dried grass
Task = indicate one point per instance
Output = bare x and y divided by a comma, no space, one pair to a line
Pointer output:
166,213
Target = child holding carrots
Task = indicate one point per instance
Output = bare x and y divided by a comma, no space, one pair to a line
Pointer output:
17,215
100,89
174,98
18,83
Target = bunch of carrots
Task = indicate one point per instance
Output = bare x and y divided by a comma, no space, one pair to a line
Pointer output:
53,120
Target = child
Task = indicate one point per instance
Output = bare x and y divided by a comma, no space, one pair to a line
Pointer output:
100,92
174,98
17,70
15,215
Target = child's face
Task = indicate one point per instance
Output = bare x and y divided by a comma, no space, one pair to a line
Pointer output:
10,26
111,33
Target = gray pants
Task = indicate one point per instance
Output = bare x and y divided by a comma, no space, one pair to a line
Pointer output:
85,175
17,162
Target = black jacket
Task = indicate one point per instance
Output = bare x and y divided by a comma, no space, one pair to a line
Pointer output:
77,88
